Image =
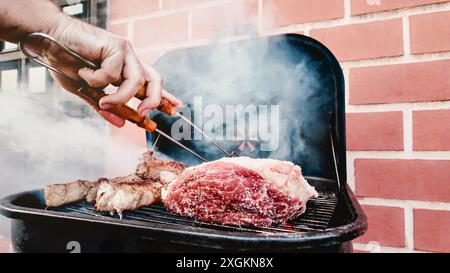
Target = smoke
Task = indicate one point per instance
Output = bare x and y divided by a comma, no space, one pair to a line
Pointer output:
254,74
43,143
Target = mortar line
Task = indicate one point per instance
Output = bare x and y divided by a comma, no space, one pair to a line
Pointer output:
387,249
407,130
412,155
405,204
392,107
406,36
347,9
409,227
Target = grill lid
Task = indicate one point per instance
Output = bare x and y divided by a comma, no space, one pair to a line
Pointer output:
280,97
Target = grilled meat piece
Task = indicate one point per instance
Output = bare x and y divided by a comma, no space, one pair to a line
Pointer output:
60,194
118,194
149,166
127,193
239,191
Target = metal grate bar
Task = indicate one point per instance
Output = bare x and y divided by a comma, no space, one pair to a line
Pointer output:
316,217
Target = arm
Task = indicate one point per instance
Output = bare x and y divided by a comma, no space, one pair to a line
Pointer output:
119,63
20,17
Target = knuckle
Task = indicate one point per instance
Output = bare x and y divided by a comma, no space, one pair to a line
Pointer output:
128,42
94,82
112,76
151,103
160,79
140,78
119,98
140,81
157,78
123,43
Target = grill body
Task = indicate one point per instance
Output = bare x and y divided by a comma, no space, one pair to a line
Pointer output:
293,71
35,229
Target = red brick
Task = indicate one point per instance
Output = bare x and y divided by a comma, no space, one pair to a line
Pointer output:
368,6
430,32
288,12
431,130
415,82
360,251
363,41
386,226
425,180
5,245
119,29
160,30
120,9
432,230
207,20
375,131
171,4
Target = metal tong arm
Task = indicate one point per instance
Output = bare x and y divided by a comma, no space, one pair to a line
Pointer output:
131,115
92,96
89,94
165,106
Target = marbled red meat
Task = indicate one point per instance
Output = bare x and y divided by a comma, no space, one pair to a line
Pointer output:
239,191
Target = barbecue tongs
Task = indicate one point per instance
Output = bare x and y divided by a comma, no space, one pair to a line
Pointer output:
93,95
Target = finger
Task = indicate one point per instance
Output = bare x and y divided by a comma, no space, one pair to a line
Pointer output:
125,92
109,72
133,80
153,91
112,118
171,98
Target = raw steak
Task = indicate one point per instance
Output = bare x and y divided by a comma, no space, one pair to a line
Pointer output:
239,191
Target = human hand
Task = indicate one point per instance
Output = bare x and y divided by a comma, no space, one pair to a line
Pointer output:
118,62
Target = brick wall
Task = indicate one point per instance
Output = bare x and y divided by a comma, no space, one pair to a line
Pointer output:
395,55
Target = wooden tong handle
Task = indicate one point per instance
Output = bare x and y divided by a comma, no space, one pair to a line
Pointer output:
93,96
122,110
165,106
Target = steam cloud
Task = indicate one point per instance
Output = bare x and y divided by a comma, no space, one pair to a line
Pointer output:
42,144
253,76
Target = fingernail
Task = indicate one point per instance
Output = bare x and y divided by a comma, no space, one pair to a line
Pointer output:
82,70
106,106
145,112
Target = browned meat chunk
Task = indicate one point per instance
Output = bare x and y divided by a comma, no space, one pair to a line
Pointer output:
127,193
149,167
61,194
118,194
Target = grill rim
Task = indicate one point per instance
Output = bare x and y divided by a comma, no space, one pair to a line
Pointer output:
328,236
313,219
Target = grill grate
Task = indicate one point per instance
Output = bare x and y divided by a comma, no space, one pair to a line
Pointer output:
316,217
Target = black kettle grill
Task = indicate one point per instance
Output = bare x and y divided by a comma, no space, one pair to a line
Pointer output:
292,73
